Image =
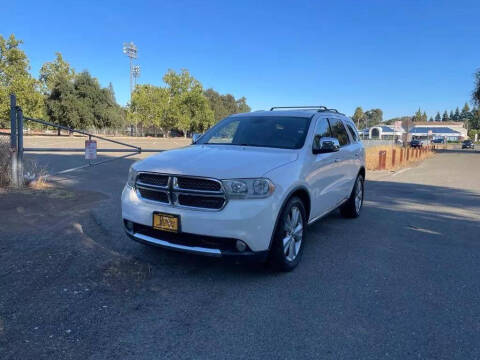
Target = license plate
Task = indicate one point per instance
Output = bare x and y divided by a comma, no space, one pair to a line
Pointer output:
166,222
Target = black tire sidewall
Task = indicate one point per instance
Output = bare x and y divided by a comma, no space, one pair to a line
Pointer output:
278,257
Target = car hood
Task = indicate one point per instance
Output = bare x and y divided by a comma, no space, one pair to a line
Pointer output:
218,161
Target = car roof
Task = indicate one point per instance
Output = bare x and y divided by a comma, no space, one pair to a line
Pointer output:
304,113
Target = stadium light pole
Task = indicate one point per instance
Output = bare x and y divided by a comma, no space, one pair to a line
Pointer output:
136,75
130,49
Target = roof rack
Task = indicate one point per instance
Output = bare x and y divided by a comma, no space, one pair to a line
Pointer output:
335,111
319,108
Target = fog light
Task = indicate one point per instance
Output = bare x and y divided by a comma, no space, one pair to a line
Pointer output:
129,225
241,246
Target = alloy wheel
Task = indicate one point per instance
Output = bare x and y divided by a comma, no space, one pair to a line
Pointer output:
359,195
292,240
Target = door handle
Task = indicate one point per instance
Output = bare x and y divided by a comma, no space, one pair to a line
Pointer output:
357,154
336,160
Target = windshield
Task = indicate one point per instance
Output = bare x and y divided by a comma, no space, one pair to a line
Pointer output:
265,131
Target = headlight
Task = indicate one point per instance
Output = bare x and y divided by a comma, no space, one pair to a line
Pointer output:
248,188
132,176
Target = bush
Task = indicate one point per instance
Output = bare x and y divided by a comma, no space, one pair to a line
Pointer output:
5,157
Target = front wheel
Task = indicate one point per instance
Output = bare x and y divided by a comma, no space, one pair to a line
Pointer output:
287,247
353,206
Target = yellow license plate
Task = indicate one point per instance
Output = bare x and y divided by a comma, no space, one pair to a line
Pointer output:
166,222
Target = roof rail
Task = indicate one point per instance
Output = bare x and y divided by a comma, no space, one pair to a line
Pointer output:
335,111
319,107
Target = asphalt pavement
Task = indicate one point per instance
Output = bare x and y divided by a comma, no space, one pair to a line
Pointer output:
400,282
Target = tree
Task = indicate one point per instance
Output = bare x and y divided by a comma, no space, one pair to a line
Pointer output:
82,103
418,116
438,117
358,116
424,116
451,116
430,119
456,115
53,72
225,105
373,117
150,108
112,92
16,79
476,89
242,106
188,105
465,109
445,116
474,121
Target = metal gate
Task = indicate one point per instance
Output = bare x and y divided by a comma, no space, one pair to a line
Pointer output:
17,149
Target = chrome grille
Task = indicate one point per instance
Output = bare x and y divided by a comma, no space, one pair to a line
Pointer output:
182,191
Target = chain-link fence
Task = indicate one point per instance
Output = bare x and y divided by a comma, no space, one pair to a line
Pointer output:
5,159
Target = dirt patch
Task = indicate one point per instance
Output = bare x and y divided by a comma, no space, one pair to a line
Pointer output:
123,274
31,210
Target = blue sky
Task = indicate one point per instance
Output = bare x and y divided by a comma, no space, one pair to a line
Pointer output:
393,55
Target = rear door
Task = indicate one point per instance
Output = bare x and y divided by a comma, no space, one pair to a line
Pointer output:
358,151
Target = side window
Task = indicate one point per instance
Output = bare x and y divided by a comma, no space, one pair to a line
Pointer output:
322,129
353,132
339,131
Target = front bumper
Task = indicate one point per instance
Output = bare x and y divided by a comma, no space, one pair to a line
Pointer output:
199,250
251,221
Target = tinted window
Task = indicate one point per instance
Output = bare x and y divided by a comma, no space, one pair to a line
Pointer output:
265,131
323,129
353,132
339,131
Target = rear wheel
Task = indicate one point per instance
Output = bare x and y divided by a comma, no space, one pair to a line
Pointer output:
287,247
353,206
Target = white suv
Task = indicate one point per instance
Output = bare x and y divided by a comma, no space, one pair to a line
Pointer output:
249,186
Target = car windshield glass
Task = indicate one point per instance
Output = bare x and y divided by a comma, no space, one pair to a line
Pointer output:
264,131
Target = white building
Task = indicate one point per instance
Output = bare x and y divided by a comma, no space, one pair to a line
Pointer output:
452,131
385,132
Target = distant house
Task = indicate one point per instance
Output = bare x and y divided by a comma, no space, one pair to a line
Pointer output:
384,132
452,131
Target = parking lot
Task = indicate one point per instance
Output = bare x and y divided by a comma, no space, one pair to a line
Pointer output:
401,281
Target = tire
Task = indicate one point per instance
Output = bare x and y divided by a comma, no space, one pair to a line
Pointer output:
353,206
289,238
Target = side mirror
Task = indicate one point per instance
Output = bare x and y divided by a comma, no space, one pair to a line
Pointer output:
322,145
195,138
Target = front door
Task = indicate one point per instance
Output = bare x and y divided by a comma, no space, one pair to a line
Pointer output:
324,175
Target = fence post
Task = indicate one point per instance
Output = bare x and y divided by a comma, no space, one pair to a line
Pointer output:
20,147
401,156
381,159
13,139
393,157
